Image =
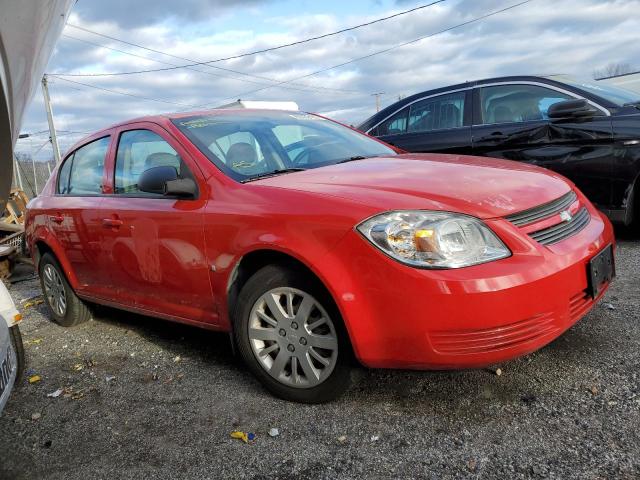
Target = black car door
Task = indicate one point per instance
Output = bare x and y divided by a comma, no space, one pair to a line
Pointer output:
440,123
511,122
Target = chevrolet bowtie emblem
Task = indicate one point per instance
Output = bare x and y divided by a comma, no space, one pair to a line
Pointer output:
566,216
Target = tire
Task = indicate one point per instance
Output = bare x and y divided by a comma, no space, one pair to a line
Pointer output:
307,322
634,200
54,282
18,346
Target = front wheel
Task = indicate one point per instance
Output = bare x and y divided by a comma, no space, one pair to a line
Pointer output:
290,335
18,347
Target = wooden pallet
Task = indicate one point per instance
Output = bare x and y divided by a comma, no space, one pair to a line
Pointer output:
16,208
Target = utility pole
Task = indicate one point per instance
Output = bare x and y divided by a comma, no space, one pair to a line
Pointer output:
17,169
377,95
52,128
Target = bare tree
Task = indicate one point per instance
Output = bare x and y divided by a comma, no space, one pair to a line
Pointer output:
613,70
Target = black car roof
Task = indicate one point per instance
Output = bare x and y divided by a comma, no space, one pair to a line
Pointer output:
549,79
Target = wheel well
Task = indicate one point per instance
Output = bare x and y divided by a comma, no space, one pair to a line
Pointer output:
41,249
254,261
632,216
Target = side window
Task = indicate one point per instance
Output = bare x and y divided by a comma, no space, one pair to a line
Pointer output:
437,113
63,176
394,125
138,151
517,103
85,169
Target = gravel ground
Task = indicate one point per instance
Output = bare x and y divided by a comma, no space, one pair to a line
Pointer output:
150,399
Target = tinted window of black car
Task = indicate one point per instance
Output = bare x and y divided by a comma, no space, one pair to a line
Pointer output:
517,103
437,113
394,125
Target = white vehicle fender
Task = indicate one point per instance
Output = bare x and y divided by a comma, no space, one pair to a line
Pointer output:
8,311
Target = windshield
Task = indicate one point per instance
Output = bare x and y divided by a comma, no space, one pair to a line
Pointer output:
616,95
248,145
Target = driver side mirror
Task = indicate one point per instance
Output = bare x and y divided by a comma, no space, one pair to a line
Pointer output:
567,109
164,181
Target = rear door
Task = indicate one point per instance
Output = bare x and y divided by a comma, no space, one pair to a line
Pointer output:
74,214
155,244
511,122
440,123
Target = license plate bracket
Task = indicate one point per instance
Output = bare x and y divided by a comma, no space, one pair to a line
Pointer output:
601,270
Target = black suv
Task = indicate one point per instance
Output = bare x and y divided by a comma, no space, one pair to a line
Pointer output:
586,131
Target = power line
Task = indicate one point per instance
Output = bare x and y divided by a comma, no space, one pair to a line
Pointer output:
379,52
242,55
304,88
161,100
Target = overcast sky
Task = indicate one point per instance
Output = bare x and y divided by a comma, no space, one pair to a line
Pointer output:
544,36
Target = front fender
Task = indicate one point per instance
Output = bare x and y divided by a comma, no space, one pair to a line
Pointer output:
8,311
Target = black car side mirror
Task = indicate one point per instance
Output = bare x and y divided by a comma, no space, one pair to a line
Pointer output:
164,180
154,180
181,187
579,108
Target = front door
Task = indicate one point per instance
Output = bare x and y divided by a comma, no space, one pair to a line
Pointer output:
511,122
155,243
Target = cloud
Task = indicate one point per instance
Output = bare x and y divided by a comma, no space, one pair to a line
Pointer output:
545,36
127,13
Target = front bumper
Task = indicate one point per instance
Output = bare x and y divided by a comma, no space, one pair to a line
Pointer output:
401,317
8,365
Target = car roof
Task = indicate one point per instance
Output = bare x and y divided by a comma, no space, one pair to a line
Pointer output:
166,118
553,79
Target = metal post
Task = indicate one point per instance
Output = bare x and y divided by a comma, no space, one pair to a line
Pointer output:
15,178
15,159
52,128
35,176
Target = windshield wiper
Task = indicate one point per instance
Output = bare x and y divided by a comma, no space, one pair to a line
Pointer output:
632,104
273,173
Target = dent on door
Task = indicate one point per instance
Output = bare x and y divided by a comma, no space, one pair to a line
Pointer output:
581,151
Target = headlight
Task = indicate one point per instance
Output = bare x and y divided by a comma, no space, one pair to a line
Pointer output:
433,239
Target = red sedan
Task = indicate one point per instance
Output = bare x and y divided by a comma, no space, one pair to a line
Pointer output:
313,243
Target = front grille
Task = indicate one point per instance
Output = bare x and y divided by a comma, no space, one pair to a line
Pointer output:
557,233
542,211
460,342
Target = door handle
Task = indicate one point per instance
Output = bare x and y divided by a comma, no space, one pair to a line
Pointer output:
112,222
56,218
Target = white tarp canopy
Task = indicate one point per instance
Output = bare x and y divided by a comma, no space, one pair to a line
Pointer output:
28,33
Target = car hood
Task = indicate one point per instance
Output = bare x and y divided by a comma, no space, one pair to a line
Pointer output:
481,187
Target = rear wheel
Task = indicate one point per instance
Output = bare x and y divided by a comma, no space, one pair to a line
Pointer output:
65,306
18,347
634,202
291,337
